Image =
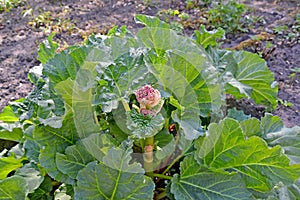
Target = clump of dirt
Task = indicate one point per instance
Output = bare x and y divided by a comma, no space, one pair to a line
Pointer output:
23,28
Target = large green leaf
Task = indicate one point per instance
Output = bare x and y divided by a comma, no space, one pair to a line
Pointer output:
47,159
289,140
13,188
270,123
208,38
74,159
98,145
11,131
60,67
9,164
43,192
46,135
80,103
224,147
47,49
55,140
198,182
114,178
8,115
247,75
31,175
272,129
151,21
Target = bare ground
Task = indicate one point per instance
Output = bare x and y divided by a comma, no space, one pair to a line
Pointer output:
74,20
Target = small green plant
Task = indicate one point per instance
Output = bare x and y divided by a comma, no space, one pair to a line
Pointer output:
184,16
296,29
294,75
190,4
48,23
227,15
280,29
285,103
41,21
6,5
174,18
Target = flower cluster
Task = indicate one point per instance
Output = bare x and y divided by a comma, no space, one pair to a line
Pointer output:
149,98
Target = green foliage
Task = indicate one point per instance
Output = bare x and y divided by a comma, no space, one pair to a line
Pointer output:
260,167
123,180
47,49
84,137
208,184
7,5
208,38
227,15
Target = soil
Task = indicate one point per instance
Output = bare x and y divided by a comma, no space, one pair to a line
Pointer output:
74,20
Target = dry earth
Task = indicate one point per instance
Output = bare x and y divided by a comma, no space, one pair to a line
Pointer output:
73,20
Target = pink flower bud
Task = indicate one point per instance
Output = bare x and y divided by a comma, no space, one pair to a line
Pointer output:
148,97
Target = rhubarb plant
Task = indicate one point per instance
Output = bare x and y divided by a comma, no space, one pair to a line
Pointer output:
142,116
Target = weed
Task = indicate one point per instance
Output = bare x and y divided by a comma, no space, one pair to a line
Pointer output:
184,16
295,75
285,103
43,20
6,5
227,16
280,29
174,17
46,22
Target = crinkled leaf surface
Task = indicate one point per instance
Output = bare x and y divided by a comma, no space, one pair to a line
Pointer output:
143,127
198,182
208,38
114,178
67,134
121,78
289,140
47,49
13,188
74,159
98,145
66,64
150,21
52,141
270,123
224,147
249,74
31,175
47,160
